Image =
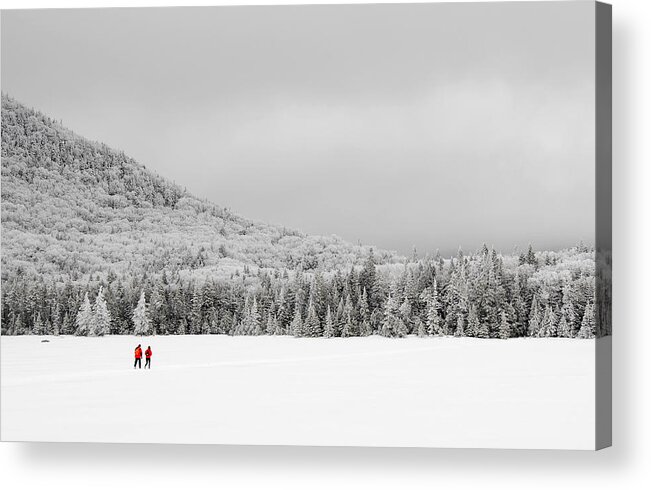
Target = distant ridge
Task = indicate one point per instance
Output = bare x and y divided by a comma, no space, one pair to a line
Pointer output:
74,209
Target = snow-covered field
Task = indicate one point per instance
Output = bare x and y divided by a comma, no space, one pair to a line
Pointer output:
446,392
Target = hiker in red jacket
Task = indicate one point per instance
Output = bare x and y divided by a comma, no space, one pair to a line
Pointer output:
148,358
138,360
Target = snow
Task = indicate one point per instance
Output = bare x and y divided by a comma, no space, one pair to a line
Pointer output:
373,391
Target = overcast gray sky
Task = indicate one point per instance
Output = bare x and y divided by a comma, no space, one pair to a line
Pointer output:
438,125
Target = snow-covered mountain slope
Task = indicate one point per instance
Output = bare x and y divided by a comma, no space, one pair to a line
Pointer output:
73,209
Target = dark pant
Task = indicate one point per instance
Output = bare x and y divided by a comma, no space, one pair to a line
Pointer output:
148,363
137,363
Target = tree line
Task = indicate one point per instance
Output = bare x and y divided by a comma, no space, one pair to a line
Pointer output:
482,294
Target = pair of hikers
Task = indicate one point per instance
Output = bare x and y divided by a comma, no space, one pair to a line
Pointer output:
139,358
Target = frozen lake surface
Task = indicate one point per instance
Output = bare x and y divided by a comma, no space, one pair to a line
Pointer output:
444,392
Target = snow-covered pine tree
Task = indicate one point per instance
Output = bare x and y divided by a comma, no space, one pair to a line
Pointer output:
56,320
483,331
564,327
183,326
548,326
588,327
405,314
85,318
505,326
296,326
215,326
365,328
401,328
283,310
377,318
421,328
19,325
278,330
255,321
531,257
534,318
140,317
270,326
473,329
38,327
452,297
568,308
66,325
459,331
196,311
435,323
339,320
329,328
519,307
368,281
349,329
102,323
312,325
388,328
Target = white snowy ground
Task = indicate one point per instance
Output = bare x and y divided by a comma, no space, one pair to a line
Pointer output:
445,392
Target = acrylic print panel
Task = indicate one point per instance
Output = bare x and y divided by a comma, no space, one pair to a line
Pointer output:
369,225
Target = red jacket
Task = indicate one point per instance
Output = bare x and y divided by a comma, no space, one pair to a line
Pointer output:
148,353
138,353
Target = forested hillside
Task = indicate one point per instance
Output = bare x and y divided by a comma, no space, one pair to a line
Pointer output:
94,243
74,209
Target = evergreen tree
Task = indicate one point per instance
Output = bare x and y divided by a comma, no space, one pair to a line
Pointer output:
312,326
349,327
284,312
19,325
215,326
156,304
568,309
531,257
255,320
140,317
548,327
365,328
587,330
66,325
474,327
405,314
483,332
56,320
421,329
520,310
459,331
297,324
102,317
339,318
38,328
85,318
368,281
196,314
329,330
505,326
272,327
393,326
534,318
434,322
183,326
279,328
564,329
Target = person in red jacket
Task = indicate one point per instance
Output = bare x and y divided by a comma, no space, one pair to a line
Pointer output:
148,358
138,361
